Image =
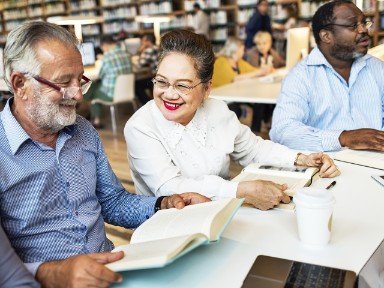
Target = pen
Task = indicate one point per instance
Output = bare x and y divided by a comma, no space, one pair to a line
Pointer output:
331,185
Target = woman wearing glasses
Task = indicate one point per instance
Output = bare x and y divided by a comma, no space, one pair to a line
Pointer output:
183,141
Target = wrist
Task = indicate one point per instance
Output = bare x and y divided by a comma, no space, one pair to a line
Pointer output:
159,203
46,273
297,161
342,138
244,189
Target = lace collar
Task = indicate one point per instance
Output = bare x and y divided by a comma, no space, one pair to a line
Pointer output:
172,132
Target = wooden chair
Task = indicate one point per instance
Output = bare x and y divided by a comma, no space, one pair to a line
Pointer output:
124,93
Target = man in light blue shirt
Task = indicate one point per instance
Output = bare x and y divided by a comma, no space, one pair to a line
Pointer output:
56,185
335,97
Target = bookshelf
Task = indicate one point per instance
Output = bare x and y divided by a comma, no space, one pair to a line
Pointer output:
228,17
375,9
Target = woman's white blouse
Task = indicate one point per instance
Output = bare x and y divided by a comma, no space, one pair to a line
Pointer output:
166,157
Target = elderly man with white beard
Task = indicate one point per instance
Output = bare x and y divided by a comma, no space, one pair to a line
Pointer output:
56,185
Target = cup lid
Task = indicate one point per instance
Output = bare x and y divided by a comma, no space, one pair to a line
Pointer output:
313,197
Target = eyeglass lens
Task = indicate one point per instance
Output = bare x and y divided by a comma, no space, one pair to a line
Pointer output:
180,88
70,92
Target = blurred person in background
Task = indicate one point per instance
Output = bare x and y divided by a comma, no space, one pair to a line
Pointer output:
263,55
148,53
259,21
115,61
231,67
201,23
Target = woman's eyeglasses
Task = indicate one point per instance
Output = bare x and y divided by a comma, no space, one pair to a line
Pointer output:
180,88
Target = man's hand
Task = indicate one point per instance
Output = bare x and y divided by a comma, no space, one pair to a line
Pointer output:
328,169
363,139
262,194
80,271
179,201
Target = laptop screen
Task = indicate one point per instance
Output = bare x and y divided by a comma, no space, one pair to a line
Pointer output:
277,272
87,50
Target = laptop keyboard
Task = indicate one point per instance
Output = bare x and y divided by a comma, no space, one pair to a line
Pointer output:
308,275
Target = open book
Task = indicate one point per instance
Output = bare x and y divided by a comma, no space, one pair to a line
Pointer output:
295,177
171,233
373,159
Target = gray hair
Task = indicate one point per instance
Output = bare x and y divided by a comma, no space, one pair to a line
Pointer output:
231,47
19,51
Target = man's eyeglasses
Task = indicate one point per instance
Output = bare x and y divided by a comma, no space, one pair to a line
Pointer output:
181,88
69,92
367,24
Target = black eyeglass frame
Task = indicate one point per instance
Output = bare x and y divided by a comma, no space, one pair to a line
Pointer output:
354,27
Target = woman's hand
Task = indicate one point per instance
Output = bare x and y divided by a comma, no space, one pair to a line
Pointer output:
262,194
179,201
328,169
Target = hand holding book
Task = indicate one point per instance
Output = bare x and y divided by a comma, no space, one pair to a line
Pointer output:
267,186
328,169
263,194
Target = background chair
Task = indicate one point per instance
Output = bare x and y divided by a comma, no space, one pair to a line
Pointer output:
124,92
377,51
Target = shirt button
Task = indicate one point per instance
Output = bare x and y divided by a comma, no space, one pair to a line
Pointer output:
147,216
77,213
68,184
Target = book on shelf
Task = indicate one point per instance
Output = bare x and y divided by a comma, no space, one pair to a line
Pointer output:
373,159
171,233
295,177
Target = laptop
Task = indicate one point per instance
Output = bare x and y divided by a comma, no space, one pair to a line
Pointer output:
88,55
271,272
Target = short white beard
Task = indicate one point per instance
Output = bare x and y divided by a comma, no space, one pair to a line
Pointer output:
47,115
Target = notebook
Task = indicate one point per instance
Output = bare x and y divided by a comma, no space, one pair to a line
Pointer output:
271,272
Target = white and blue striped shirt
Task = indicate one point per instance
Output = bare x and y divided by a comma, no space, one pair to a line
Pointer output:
53,202
316,104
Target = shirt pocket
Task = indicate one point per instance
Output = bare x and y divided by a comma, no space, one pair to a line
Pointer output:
89,173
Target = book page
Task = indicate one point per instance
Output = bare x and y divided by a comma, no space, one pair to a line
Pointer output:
282,171
374,159
178,222
155,253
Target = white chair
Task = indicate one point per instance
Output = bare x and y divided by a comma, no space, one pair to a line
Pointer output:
377,51
124,92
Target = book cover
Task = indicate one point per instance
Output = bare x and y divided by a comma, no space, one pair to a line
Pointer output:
373,159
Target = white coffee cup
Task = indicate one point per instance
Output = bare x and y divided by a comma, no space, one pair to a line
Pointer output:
314,209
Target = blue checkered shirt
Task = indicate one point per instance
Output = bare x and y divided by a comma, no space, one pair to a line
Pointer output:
53,202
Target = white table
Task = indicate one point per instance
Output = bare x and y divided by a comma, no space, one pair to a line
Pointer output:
248,91
358,229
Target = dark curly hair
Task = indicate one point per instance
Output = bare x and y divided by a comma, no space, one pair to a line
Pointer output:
197,47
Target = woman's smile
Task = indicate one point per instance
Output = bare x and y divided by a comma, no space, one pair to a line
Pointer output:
171,106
